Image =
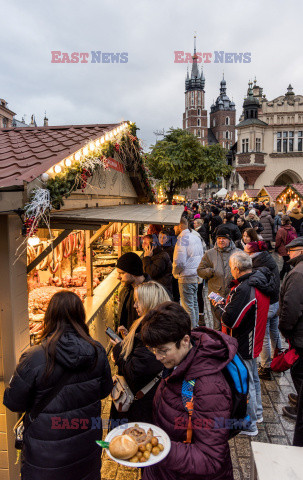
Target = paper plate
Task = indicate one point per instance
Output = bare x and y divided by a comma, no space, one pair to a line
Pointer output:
158,432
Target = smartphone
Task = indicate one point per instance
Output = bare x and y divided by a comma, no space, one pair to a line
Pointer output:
214,296
114,336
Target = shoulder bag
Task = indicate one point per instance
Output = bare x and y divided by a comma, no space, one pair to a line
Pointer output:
122,395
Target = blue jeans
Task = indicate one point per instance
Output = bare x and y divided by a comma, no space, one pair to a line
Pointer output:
189,301
254,407
272,336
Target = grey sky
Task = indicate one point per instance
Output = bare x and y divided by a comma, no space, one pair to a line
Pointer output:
149,89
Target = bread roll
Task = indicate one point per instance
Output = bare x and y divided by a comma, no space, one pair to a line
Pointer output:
123,447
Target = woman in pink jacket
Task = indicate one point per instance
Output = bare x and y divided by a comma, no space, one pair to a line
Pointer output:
198,355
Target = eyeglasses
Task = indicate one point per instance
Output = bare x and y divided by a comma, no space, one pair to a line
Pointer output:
159,352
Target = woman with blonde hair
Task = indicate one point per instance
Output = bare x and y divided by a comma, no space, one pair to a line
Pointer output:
135,362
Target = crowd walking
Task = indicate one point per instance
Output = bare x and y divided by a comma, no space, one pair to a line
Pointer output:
228,250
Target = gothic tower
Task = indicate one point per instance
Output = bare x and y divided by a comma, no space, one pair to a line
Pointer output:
195,116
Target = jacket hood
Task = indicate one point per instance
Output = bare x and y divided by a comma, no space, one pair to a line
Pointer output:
73,352
263,280
262,259
265,213
230,247
211,352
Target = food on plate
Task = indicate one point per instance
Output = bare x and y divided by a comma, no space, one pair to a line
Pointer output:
149,447
155,451
146,454
161,447
154,441
123,447
142,438
134,460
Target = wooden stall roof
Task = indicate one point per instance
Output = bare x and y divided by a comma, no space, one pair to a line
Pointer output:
92,218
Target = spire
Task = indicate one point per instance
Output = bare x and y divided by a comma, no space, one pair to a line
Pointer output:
195,70
223,86
45,123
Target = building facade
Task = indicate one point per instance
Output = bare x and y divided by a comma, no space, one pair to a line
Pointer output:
270,139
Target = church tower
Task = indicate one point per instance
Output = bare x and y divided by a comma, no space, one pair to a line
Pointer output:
223,118
195,116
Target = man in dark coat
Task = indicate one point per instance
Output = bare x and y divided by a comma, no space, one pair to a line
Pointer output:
235,233
291,327
245,315
199,356
215,221
157,264
130,273
70,425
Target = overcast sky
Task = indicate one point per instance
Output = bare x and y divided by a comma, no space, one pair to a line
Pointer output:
149,89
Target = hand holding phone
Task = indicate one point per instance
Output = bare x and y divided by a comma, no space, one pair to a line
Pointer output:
112,335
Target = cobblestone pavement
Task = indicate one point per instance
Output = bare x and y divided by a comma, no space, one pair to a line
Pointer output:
276,428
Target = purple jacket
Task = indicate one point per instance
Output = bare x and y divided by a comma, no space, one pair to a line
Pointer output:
208,456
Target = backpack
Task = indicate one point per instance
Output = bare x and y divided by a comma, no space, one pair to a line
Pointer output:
236,374
291,235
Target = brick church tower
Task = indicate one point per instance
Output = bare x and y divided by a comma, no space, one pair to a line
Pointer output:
195,116
223,118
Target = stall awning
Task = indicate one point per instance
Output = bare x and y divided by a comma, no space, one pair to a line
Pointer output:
92,218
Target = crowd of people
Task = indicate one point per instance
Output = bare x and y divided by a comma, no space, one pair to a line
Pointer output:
225,248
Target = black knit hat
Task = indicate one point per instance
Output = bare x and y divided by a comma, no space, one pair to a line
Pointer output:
130,263
223,231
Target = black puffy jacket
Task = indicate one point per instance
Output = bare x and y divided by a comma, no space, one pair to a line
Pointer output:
264,259
291,304
159,268
68,453
140,368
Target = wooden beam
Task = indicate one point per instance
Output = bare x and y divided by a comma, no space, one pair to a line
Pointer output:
48,250
89,264
100,232
119,240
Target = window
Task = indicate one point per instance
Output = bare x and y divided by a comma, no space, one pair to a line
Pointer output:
195,132
4,121
199,122
223,144
258,144
214,122
199,133
192,98
245,142
287,142
199,112
227,121
300,141
186,113
227,134
279,136
186,124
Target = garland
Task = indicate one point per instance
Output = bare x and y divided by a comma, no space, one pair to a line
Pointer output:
42,199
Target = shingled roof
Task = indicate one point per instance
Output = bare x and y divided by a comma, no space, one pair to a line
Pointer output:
274,191
26,153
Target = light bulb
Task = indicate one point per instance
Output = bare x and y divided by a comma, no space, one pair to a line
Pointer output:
68,162
57,169
77,156
97,143
115,132
106,137
33,241
44,177
102,140
85,151
92,146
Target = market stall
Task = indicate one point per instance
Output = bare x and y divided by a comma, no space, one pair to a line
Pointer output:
270,193
65,169
291,196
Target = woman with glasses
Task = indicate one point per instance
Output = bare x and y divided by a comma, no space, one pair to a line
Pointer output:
192,378
135,362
